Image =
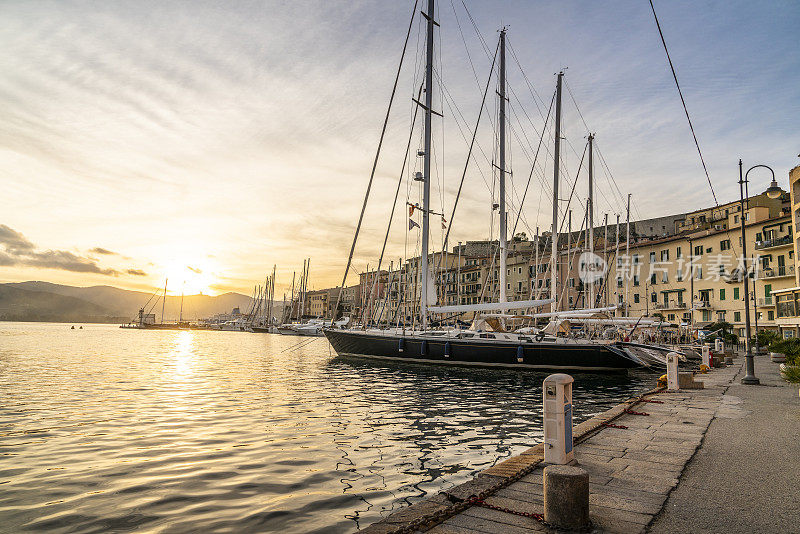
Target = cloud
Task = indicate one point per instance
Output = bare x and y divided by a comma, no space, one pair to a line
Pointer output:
14,241
136,272
101,250
19,251
194,269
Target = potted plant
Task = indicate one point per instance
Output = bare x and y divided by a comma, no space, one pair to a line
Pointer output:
790,371
780,351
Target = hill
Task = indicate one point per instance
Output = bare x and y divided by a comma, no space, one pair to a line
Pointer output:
30,300
18,304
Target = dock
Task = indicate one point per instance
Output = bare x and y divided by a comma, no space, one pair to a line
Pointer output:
635,453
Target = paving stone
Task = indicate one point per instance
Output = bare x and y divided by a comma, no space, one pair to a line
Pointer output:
512,492
617,502
658,457
631,464
504,522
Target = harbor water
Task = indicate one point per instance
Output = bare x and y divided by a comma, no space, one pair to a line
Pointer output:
104,429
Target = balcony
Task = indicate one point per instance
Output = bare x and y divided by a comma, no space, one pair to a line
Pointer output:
671,305
766,301
779,272
702,305
773,243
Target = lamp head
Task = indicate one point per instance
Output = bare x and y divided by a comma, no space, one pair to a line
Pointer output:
774,191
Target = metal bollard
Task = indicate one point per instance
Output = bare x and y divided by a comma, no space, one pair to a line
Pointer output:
672,371
557,401
707,355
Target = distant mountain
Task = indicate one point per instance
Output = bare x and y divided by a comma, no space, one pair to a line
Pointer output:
25,305
107,301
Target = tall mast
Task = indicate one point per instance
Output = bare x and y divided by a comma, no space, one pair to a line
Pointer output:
605,259
164,300
569,250
590,210
554,236
536,269
627,251
180,317
426,165
272,295
291,302
616,262
503,229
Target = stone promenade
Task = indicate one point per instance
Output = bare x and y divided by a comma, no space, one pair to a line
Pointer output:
632,470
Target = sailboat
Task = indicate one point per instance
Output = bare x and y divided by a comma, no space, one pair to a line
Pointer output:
476,346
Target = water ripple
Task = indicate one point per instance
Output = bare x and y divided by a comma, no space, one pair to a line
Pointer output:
103,429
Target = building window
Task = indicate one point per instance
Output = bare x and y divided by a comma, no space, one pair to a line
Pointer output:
706,315
671,317
653,279
725,245
635,280
664,277
636,298
737,317
652,257
722,294
678,253
698,250
770,315
653,297
735,293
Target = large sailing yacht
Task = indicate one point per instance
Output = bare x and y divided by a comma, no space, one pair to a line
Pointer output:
480,345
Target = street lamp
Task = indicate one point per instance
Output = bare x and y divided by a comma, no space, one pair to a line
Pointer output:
772,192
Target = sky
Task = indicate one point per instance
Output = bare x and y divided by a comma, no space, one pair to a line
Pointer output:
208,141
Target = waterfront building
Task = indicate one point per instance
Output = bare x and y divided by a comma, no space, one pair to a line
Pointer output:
787,300
687,268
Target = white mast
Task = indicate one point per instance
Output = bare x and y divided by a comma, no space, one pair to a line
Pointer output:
616,263
554,235
627,251
502,134
426,166
590,209
605,259
164,300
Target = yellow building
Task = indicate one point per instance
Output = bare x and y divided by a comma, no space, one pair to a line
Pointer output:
787,300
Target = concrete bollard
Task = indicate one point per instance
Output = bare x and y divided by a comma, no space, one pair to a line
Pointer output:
557,402
672,371
707,356
566,497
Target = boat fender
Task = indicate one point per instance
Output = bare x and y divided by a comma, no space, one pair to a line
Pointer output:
447,350
401,345
540,336
520,354
423,348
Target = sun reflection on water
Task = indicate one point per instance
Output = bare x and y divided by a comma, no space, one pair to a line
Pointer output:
183,355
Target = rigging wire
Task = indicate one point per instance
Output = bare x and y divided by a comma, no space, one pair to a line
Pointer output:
466,165
683,102
377,155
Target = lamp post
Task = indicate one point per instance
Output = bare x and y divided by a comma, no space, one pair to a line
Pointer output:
772,192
